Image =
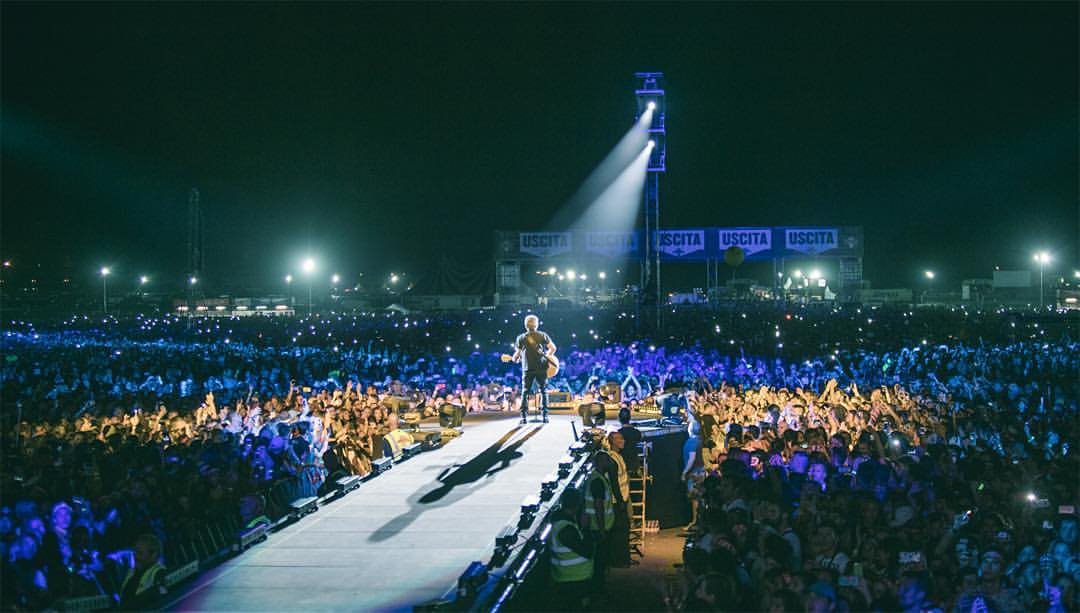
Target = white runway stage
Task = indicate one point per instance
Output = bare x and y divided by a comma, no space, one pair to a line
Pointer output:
401,539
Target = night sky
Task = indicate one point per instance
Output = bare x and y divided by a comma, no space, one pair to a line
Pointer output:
380,137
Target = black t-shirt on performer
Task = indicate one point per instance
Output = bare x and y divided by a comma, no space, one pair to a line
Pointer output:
533,345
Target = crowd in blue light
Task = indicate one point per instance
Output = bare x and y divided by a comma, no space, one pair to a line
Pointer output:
119,427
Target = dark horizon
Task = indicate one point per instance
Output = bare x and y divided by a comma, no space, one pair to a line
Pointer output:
381,137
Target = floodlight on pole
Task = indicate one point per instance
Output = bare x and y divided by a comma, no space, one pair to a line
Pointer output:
288,279
571,275
1043,258
193,280
552,270
105,289
929,274
143,280
602,275
308,266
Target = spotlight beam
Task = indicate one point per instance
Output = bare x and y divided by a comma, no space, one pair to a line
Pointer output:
606,172
616,208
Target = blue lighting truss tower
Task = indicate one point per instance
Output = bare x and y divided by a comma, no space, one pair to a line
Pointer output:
650,94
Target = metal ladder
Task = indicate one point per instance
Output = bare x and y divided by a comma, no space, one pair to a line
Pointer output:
638,482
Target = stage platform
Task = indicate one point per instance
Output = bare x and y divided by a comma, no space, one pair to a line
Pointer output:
400,540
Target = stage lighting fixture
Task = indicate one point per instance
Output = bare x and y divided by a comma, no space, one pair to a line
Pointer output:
411,450
548,486
309,265
348,483
506,537
470,581
565,464
380,466
552,270
335,279
571,275
251,536
652,143
304,506
288,278
529,507
652,105
592,414
143,280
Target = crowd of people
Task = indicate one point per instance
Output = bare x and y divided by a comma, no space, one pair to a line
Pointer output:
953,489
145,430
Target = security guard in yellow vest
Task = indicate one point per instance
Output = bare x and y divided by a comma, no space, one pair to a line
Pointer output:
600,513
599,497
571,554
396,440
620,534
144,587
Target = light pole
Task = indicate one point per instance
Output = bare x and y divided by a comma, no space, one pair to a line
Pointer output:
192,281
1043,258
105,288
309,268
929,274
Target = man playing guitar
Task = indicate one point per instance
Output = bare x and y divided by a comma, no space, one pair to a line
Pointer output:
536,352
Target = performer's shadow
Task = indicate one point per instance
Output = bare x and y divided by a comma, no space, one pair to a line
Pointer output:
488,462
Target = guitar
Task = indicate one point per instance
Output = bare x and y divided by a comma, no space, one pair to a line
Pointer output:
552,363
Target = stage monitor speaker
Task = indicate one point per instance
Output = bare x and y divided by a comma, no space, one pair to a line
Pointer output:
451,415
592,414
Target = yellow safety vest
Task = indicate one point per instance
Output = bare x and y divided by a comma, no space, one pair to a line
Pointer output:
590,506
624,477
567,565
147,579
398,441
